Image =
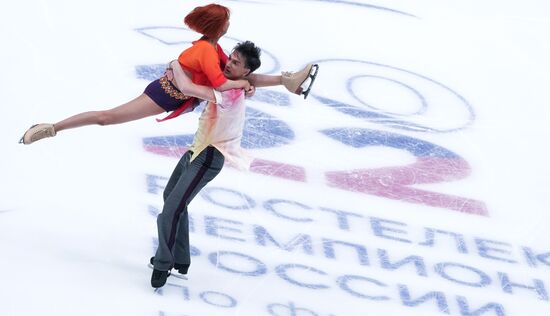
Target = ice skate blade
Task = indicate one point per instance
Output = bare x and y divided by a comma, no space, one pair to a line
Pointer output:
312,76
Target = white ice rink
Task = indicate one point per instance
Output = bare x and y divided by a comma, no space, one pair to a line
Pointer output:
415,179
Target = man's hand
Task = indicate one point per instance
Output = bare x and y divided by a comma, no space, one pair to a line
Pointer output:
250,92
169,73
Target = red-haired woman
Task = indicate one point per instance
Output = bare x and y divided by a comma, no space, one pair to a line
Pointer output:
203,63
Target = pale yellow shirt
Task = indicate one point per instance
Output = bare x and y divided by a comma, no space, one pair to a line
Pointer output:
221,125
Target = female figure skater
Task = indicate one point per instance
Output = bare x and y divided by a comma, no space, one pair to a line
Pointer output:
203,63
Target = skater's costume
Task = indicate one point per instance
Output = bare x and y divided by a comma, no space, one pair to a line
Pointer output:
205,62
217,139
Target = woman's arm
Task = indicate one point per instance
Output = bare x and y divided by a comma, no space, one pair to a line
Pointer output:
187,87
234,84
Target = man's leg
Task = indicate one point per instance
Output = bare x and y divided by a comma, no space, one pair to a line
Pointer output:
176,174
182,255
196,175
178,170
182,249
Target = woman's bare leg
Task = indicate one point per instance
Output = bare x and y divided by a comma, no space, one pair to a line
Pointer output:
292,81
259,80
138,108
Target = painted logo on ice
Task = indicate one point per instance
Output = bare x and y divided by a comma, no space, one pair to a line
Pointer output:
429,107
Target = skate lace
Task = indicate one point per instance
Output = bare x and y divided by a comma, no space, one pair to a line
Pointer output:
41,134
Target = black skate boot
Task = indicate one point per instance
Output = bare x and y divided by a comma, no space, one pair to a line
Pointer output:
181,267
158,279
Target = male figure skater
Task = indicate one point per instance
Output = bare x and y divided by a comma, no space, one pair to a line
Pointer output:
217,139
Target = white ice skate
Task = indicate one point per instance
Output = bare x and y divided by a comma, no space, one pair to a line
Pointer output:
37,132
300,82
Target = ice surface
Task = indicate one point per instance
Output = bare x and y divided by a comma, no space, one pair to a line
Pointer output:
414,180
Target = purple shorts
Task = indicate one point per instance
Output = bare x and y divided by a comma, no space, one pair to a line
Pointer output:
165,94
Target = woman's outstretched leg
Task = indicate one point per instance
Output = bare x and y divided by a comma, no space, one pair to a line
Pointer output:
136,109
296,82
140,107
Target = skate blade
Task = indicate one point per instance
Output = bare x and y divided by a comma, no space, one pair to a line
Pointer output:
178,275
311,79
174,274
21,141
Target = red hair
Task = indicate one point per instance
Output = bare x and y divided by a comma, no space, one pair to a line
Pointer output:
208,20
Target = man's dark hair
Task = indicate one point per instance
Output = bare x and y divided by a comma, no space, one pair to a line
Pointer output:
251,54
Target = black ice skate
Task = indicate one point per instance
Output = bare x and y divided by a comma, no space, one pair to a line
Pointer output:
158,279
180,267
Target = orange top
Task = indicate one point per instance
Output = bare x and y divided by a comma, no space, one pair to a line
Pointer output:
205,62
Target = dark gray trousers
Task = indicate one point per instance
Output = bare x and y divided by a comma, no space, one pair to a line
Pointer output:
187,179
